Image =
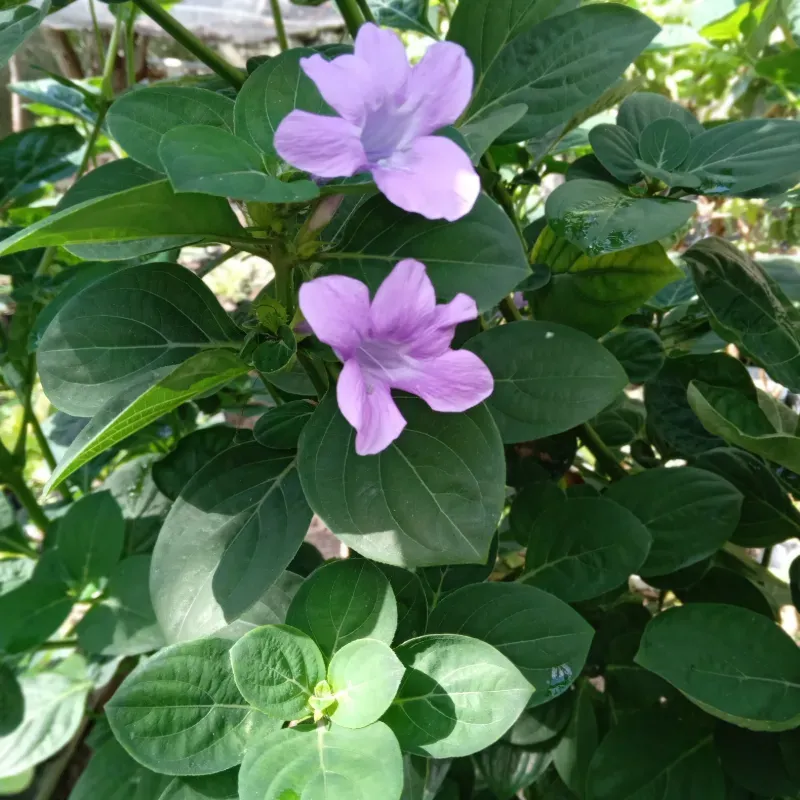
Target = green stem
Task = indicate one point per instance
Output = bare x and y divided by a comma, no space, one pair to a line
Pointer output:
28,501
185,37
351,13
130,48
445,4
605,459
509,310
504,199
766,557
98,34
48,257
107,84
213,263
280,28
59,644
317,375
277,399
366,11
90,143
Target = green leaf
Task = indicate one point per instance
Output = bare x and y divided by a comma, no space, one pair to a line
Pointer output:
280,427
277,87
480,254
234,529
133,326
617,150
405,15
335,763
139,119
144,402
594,294
600,218
543,637
438,581
576,747
176,469
12,703
585,547
665,143
76,98
17,784
364,676
732,662
275,354
768,515
748,307
222,786
180,713
344,601
548,378
639,351
90,539
690,514
484,129
442,709
16,25
722,585
54,706
741,422
113,775
412,604
652,755
561,66
276,669
741,156
508,770
14,572
36,157
201,158
124,622
433,496
148,211
643,108
543,722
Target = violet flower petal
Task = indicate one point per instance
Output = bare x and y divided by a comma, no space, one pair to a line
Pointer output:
326,146
435,339
434,177
346,84
385,54
337,308
403,301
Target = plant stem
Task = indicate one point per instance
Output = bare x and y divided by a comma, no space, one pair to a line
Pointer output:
90,143
318,376
599,449
445,4
107,84
185,37
276,398
766,557
351,13
98,34
25,496
130,48
215,262
366,11
48,257
509,310
280,28
52,775
58,644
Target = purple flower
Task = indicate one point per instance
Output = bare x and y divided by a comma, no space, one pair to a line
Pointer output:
399,341
387,113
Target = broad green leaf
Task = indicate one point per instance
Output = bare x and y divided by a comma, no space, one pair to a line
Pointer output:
16,25
17,784
363,676
458,696
600,218
768,514
12,703
234,529
412,605
732,662
561,66
143,402
280,427
222,786
277,87
617,151
665,143
548,378
643,108
595,293
202,158
480,254
276,668
438,581
690,513
35,157
90,539
405,15
276,353
177,468
79,99
54,706
135,325
748,307
576,747
585,547
124,622
14,572
741,422
332,763
113,775
35,610
483,130
139,119
542,636
180,713
433,496
148,211
740,156
542,723
424,777
344,601
652,755
639,351
508,770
